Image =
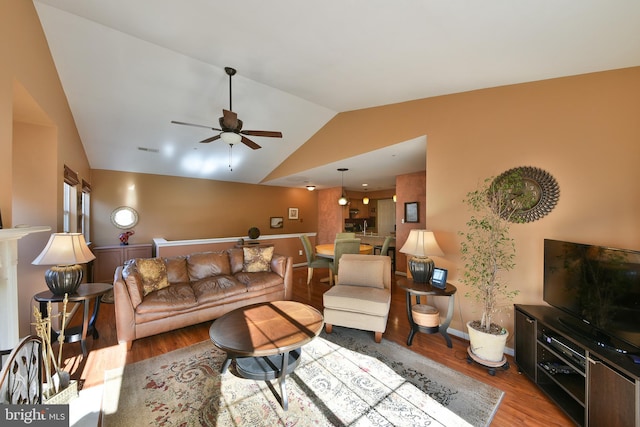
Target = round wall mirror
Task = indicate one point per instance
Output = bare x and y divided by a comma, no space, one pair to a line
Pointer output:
124,217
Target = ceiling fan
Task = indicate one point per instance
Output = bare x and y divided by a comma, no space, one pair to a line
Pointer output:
231,127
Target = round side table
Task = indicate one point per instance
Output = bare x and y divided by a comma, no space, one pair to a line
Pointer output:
85,293
419,290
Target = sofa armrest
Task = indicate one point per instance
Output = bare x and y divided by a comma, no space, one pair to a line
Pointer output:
279,264
283,266
124,310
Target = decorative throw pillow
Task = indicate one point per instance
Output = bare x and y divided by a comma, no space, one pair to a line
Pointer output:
361,273
257,259
153,273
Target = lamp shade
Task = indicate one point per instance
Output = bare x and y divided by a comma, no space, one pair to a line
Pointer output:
421,244
65,249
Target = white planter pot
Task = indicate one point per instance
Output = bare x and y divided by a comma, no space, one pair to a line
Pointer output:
486,346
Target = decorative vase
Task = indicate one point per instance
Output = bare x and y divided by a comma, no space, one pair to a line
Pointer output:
253,233
124,237
489,347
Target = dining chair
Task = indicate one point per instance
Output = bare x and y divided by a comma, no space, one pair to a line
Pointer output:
313,261
341,247
345,236
21,376
386,248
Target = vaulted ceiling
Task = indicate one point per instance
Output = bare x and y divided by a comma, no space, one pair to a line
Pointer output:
130,67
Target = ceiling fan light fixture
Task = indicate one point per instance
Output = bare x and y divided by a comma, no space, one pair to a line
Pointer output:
230,137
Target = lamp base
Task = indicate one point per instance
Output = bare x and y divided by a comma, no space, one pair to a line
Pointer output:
421,269
64,279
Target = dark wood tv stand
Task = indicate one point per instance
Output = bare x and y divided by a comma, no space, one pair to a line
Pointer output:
593,386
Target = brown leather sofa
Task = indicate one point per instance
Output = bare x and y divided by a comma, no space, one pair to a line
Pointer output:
155,295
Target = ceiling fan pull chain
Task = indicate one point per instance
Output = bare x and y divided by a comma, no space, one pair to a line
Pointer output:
230,149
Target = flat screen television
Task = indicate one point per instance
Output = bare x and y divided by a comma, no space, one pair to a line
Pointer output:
598,288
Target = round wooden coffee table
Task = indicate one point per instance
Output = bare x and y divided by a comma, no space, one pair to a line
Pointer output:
265,339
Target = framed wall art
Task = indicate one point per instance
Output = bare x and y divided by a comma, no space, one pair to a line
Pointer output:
276,222
411,212
293,213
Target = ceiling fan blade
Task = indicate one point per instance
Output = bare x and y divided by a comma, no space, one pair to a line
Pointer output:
230,119
268,133
213,138
250,143
193,124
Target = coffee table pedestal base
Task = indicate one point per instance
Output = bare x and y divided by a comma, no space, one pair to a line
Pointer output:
268,368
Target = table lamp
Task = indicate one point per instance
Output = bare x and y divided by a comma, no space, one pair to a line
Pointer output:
421,244
64,251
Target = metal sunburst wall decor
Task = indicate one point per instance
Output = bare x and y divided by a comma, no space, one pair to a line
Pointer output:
543,193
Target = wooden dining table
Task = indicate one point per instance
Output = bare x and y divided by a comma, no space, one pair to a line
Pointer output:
327,250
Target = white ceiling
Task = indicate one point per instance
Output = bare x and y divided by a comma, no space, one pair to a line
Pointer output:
129,67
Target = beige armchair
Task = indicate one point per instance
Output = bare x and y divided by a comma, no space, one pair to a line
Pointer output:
362,296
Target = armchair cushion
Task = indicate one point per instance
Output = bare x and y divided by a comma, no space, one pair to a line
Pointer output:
362,273
351,298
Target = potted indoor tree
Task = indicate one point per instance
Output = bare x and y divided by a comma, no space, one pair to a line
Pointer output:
488,251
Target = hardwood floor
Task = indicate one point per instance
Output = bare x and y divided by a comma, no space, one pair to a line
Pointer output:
523,404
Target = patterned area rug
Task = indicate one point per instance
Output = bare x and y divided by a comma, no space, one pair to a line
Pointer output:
343,379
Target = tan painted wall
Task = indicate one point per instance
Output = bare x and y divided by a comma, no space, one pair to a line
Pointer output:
409,188
37,137
583,130
178,208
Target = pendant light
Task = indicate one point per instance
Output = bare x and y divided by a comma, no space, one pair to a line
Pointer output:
342,201
365,199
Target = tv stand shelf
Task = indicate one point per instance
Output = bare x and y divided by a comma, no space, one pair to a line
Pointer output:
592,385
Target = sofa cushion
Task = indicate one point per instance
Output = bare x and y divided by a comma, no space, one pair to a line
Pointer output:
260,280
177,269
176,297
133,281
212,289
153,273
208,264
257,259
361,273
236,259
372,301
